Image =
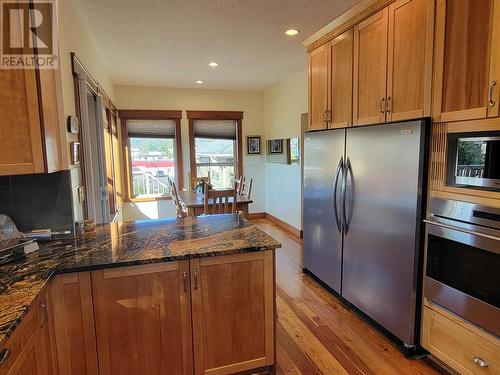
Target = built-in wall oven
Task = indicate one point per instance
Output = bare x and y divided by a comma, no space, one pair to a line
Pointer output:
463,261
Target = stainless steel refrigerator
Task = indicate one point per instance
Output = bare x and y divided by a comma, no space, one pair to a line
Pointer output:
363,211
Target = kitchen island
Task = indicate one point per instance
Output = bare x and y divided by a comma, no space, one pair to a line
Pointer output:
176,296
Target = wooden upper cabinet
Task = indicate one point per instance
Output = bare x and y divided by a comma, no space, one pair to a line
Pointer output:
143,319
318,88
341,62
370,69
466,67
20,129
409,70
52,117
72,319
30,122
233,312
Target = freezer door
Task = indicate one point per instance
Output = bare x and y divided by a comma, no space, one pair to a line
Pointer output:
383,203
323,158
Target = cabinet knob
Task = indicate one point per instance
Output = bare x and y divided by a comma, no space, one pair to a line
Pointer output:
491,102
184,280
382,105
195,277
326,116
388,104
45,314
480,362
4,355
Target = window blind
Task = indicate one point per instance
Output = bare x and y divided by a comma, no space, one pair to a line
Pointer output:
224,129
151,128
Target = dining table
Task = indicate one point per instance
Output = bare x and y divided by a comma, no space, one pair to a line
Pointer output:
195,202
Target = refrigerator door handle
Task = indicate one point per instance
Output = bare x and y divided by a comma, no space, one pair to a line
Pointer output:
347,218
340,168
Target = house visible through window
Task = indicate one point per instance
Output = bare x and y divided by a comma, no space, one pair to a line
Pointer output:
215,151
152,154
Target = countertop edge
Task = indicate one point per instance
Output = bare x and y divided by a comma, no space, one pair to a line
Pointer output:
61,271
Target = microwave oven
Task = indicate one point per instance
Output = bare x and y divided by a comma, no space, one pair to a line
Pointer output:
473,160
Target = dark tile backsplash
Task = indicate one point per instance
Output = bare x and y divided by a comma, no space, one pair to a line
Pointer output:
38,201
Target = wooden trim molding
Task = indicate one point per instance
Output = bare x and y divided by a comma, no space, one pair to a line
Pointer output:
216,115
136,114
298,233
344,22
146,114
256,215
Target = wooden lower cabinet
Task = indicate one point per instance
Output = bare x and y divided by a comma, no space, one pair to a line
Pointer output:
143,319
233,312
459,344
29,347
73,324
45,350
211,315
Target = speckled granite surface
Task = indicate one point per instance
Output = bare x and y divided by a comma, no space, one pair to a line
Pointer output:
123,244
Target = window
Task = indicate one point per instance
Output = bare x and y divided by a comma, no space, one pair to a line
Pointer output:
215,142
215,157
153,152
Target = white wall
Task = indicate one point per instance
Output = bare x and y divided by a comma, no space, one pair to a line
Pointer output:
283,105
74,38
250,102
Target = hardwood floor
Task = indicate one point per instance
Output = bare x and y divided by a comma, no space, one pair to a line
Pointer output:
318,334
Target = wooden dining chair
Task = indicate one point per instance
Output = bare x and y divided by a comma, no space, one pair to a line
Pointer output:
179,207
247,189
240,182
220,201
196,180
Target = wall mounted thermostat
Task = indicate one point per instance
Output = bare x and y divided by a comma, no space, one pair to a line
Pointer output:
73,125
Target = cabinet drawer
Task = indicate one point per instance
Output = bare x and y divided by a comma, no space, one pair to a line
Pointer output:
458,346
19,339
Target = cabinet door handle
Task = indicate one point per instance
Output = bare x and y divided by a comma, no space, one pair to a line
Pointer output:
195,277
388,104
326,116
480,362
45,314
382,105
4,355
491,102
184,281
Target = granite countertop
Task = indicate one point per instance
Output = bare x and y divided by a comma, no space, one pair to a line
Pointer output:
123,244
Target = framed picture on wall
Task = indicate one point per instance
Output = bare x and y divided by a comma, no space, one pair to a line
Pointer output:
253,145
276,146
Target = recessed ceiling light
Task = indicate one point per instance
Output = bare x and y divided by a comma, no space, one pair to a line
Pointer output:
200,82
213,64
291,32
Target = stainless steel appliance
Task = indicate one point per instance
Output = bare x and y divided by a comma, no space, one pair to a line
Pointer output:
474,160
463,261
363,222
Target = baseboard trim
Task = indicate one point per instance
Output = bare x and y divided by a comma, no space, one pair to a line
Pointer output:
257,215
289,228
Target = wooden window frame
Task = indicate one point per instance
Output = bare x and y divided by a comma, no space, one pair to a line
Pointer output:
216,115
138,114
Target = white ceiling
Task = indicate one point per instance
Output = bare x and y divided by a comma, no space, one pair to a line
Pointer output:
170,42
